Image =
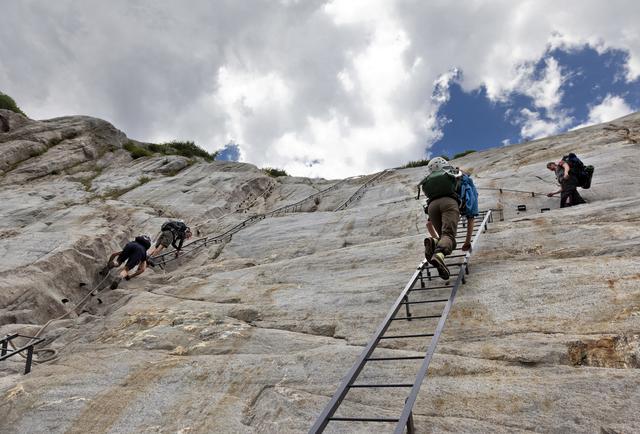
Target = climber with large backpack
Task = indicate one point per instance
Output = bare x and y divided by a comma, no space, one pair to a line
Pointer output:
135,255
468,195
173,233
441,186
570,173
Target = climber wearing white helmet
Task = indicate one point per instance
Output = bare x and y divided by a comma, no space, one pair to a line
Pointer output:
441,187
438,163
135,255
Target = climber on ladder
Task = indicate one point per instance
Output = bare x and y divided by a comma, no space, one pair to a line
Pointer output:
441,186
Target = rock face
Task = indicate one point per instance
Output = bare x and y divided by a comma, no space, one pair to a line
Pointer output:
254,334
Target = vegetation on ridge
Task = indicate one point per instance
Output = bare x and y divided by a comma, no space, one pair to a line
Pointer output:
420,163
8,103
183,148
274,173
463,153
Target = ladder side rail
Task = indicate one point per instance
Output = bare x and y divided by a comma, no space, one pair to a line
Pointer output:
413,395
353,373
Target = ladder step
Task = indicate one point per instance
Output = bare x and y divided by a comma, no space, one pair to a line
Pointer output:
422,335
433,287
452,264
425,301
362,386
376,359
415,317
364,419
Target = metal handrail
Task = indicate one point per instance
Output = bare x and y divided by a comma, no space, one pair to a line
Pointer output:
357,194
202,242
6,352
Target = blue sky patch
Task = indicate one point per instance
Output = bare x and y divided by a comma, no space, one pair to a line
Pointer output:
230,152
475,122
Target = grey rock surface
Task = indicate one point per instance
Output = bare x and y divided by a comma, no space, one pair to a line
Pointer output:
254,334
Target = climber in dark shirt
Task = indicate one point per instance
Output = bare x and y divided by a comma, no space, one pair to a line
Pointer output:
135,255
568,181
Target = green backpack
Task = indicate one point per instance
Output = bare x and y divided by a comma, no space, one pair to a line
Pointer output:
440,184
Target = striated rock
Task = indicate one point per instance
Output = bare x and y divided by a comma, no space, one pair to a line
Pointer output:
254,334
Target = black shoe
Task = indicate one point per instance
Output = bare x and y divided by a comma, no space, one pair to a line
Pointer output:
437,260
429,247
151,263
115,283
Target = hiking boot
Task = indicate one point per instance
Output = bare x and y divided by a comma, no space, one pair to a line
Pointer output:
429,248
437,260
115,283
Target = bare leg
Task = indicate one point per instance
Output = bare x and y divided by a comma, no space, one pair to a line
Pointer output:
156,250
432,230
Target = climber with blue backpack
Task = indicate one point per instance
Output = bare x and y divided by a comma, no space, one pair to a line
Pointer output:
442,187
468,195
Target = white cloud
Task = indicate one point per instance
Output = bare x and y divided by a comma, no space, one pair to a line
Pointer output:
534,126
611,107
355,85
546,94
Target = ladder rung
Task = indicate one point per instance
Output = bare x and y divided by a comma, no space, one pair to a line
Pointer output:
422,335
415,317
425,301
433,287
376,359
380,385
448,265
364,419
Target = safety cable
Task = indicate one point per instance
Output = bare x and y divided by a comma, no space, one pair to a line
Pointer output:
532,193
51,350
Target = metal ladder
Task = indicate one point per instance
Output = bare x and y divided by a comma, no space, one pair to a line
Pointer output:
423,282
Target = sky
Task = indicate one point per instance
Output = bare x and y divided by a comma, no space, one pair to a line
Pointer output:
329,88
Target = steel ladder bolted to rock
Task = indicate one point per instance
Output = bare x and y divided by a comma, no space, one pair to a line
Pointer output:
425,282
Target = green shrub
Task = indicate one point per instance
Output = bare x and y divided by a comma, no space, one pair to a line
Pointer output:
417,163
136,151
462,154
186,149
274,173
7,103
143,180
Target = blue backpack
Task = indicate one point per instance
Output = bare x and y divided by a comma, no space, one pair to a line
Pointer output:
468,197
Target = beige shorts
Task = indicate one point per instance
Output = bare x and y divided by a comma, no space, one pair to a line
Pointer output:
165,239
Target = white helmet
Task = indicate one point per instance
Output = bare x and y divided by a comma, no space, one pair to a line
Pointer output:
437,163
